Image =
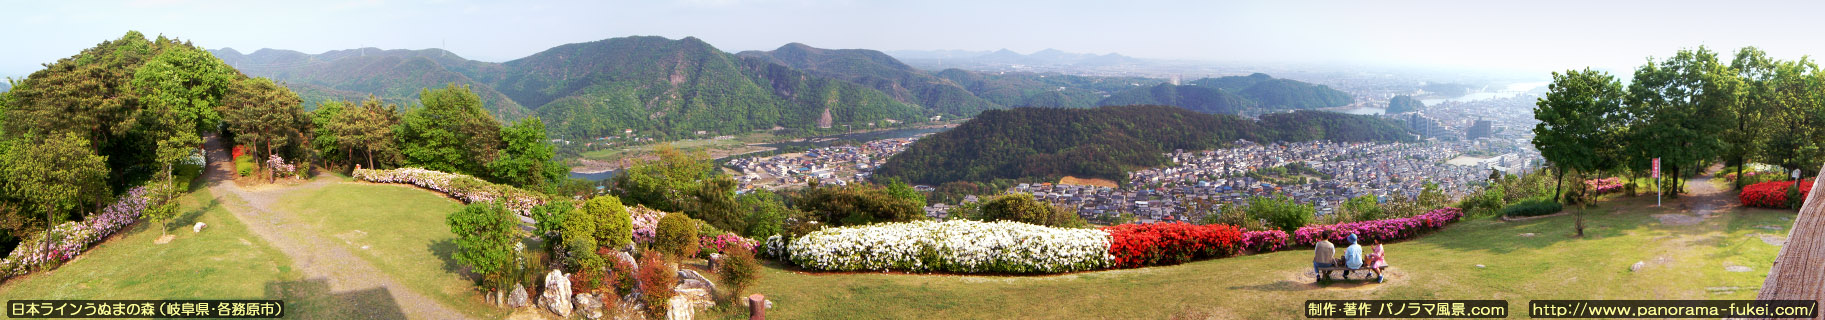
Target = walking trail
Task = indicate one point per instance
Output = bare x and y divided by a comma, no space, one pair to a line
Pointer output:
317,258
1702,200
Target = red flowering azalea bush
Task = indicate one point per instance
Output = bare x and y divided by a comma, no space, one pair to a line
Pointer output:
1772,194
1605,185
1380,230
724,244
238,151
1264,241
1137,245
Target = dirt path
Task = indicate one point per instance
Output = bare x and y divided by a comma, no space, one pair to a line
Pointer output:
1702,200
317,258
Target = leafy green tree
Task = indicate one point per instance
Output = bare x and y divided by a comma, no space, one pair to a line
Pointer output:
266,116
766,213
485,241
1744,140
1576,120
526,159
370,128
326,120
903,191
1790,127
51,178
451,133
665,184
1678,106
1361,208
1280,213
857,205
1022,207
715,204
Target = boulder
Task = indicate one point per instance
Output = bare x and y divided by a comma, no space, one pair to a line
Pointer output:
629,308
715,262
688,275
557,293
517,298
198,228
692,295
1637,266
629,259
589,305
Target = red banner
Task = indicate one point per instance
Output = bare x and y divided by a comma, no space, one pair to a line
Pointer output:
1656,168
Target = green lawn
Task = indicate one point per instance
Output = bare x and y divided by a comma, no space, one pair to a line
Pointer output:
400,229
225,261
1681,262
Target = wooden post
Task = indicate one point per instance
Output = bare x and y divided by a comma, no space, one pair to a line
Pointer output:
757,307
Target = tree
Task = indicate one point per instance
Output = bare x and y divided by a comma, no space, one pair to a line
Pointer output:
52,177
266,116
1023,208
486,241
667,183
1361,208
525,159
1677,108
766,214
1280,213
1576,118
1789,127
451,133
371,129
857,205
1744,140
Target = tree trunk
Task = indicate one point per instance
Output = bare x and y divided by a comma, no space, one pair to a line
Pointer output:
370,157
269,173
1558,184
351,159
1740,163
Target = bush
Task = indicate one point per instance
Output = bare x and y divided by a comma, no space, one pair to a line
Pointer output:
1137,245
1775,194
486,241
656,279
462,187
724,244
1381,230
614,227
1485,202
70,238
740,271
1280,213
951,246
1532,207
623,273
677,236
590,274
1021,207
1264,241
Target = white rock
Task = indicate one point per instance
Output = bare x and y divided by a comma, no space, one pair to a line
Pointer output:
589,305
198,228
1637,266
557,293
517,298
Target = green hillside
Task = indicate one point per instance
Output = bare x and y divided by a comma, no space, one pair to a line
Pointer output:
1105,142
881,72
393,75
1279,94
1024,89
1196,98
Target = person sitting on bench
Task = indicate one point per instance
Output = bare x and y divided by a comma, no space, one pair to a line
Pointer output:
1325,255
1377,259
1352,256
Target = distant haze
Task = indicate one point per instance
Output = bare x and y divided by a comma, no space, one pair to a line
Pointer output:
1530,36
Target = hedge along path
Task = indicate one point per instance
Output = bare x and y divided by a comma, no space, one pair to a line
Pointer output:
315,257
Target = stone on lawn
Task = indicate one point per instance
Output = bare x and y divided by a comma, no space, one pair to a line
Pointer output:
1637,266
557,293
198,228
517,298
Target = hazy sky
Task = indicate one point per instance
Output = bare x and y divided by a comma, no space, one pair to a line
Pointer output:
1524,35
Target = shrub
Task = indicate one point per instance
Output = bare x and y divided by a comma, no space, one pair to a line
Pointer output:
486,241
1137,245
725,244
1384,230
1485,202
1775,194
949,246
623,273
1264,241
70,238
646,223
1021,207
590,274
1605,185
656,279
462,187
740,271
614,227
764,223
1532,207
677,236
1280,213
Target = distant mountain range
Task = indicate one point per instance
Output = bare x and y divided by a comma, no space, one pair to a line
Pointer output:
1047,57
677,88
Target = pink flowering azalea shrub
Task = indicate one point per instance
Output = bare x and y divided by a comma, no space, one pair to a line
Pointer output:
1605,185
279,167
724,243
462,187
1264,241
71,238
1380,230
646,222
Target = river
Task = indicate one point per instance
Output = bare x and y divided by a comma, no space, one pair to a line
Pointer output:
812,142
1508,91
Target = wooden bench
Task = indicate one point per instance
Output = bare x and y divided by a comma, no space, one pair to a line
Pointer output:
1325,273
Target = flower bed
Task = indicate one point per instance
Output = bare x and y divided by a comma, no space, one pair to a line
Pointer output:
1381,230
1772,194
950,246
462,187
71,238
1605,185
724,243
646,222
1264,241
1137,245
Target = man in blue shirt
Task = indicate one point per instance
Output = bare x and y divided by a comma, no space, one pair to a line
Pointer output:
1352,256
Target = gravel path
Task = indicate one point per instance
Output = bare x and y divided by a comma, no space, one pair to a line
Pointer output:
317,258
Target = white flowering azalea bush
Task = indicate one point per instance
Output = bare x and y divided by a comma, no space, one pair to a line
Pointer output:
951,246
460,186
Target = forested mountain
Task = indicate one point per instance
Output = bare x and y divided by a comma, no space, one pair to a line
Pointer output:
394,75
1404,104
882,72
1047,57
1024,89
1231,95
1105,142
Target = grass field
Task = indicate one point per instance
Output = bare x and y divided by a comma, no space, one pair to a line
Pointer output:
224,261
400,229
1519,261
